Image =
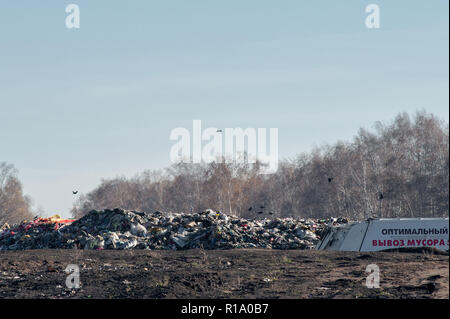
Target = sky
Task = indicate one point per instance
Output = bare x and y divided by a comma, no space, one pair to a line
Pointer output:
79,105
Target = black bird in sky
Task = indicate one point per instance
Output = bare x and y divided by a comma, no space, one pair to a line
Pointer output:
270,213
380,196
330,179
260,213
262,207
74,192
219,131
250,209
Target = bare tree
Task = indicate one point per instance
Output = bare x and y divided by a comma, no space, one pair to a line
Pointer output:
14,205
400,169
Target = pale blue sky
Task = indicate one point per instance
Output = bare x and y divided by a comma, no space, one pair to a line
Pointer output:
80,105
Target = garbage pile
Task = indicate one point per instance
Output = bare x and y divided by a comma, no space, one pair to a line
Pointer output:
122,229
38,233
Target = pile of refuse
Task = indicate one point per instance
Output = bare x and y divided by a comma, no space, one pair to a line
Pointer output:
122,229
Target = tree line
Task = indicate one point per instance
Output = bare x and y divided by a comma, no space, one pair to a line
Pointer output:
400,169
14,205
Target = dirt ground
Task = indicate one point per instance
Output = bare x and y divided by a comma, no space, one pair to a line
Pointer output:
243,273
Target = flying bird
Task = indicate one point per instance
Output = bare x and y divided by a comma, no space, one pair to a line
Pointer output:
219,131
330,179
250,209
260,213
262,207
74,192
380,196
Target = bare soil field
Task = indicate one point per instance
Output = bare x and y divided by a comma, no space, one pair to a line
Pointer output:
240,273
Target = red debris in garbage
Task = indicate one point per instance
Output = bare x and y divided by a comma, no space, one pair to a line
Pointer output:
40,222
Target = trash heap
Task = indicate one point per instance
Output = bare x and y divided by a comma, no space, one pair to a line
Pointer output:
122,229
38,233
